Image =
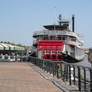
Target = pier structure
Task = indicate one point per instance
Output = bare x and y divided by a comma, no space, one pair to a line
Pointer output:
8,51
20,77
30,74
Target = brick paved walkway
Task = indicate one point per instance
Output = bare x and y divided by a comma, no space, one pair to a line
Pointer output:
20,77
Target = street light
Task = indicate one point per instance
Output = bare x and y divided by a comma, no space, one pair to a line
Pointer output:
90,56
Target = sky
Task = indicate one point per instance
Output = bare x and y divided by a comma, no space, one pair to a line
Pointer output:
19,19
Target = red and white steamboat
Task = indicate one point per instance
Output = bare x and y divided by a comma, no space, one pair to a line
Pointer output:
58,43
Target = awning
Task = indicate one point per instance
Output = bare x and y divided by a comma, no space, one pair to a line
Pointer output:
1,47
11,47
19,48
5,46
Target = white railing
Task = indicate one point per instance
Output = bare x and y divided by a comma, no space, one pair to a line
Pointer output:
72,42
53,32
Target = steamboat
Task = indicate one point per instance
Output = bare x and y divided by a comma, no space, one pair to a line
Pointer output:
58,43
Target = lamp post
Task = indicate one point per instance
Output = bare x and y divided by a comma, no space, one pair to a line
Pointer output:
90,56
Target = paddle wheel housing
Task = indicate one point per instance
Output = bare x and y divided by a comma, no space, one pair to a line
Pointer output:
51,50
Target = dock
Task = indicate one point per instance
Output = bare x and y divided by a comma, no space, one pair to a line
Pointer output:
21,77
31,74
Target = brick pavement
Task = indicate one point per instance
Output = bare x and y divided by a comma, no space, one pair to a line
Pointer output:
20,77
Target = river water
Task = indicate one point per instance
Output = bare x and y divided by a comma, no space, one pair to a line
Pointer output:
85,62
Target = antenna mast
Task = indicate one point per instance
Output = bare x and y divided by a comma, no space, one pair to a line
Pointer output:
60,19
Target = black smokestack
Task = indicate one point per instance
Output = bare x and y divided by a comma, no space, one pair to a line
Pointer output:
73,20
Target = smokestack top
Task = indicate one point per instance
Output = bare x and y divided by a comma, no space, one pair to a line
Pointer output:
73,21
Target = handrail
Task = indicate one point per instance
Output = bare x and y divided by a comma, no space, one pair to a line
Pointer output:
77,75
63,63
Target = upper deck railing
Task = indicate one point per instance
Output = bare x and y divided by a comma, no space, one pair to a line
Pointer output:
54,32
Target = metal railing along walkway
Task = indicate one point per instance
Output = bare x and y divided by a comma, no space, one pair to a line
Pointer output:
77,75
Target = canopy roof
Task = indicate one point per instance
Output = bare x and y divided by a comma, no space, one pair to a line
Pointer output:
56,27
6,46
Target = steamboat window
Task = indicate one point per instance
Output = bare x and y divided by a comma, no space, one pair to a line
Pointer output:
59,38
0,56
52,37
48,56
63,38
59,57
45,37
54,56
72,38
